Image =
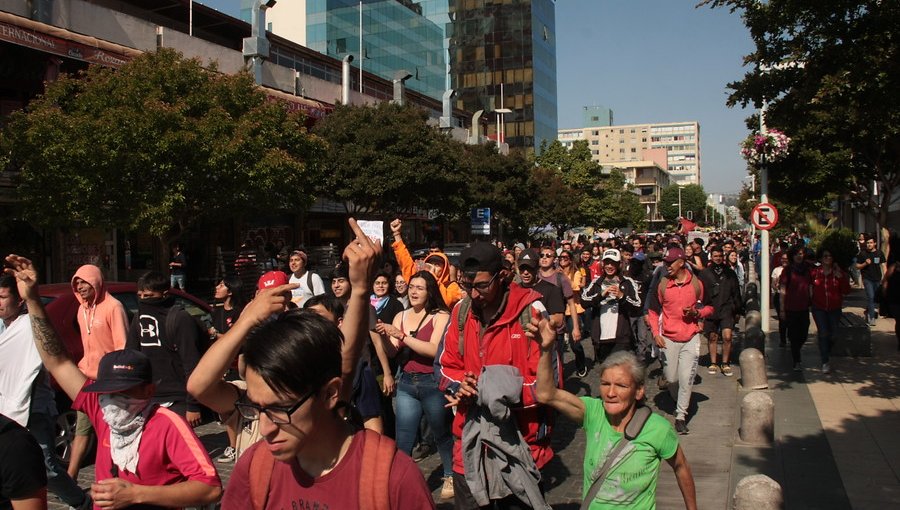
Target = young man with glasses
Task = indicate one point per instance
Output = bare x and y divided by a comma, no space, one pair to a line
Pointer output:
490,333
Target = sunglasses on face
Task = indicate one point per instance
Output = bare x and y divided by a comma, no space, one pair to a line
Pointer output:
479,286
547,255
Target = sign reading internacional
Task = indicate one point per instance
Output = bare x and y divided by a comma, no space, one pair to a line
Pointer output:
764,216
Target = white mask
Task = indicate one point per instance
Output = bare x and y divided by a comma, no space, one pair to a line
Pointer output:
126,417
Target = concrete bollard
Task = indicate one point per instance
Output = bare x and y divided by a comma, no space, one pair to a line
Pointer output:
757,418
753,318
753,370
758,492
754,338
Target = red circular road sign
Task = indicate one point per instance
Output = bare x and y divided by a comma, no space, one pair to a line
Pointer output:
764,216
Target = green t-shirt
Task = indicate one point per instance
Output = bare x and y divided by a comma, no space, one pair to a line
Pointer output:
631,482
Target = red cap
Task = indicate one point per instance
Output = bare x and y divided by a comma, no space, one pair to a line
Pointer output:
271,279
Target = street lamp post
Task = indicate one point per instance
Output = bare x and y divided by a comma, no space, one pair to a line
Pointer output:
765,259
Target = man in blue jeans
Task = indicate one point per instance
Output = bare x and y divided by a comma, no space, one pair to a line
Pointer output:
870,264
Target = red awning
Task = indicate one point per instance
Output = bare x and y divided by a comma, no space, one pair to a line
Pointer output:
58,41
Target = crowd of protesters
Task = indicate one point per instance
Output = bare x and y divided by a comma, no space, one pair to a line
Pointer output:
328,392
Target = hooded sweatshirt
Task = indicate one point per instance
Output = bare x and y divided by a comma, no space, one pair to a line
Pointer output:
103,323
501,342
450,291
172,344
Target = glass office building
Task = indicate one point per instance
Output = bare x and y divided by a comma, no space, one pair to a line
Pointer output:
503,55
483,49
395,35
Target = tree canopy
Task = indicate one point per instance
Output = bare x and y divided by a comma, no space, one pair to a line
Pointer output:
387,158
693,202
584,195
160,144
830,72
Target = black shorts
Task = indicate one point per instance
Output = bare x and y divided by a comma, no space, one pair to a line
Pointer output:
717,325
367,394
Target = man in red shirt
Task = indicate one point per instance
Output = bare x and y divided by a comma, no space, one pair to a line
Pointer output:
681,304
146,455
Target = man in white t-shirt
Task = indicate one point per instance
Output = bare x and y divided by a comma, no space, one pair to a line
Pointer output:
310,283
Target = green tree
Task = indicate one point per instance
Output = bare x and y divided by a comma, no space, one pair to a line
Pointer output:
831,72
603,200
500,182
387,158
693,202
555,203
161,144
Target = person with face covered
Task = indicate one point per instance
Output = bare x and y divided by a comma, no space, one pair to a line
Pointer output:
170,337
435,262
148,457
612,296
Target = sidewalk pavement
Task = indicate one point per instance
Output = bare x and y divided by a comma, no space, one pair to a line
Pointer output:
836,436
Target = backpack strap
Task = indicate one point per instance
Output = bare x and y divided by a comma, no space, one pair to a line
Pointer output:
663,283
309,282
261,466
695,283
462,311
375,475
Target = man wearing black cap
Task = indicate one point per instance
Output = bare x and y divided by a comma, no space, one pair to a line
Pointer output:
486,329
147,456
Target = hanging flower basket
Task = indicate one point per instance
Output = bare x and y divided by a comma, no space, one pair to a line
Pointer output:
774,145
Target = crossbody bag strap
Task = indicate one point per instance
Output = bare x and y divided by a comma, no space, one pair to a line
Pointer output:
601,475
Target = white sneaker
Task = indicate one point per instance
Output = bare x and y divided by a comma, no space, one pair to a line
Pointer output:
826,368
227,456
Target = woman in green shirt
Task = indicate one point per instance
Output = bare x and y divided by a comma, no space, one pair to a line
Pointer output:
630,481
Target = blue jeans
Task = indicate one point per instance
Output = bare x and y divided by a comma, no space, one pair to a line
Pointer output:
871,289
58,480
826,323
418,393
176,280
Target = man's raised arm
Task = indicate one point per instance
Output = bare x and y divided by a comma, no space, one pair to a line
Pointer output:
49,345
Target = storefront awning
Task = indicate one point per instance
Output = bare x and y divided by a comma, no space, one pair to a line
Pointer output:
58,41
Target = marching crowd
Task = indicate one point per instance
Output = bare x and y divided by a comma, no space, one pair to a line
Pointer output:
327,396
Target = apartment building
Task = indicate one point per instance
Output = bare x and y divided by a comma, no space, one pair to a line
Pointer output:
627,143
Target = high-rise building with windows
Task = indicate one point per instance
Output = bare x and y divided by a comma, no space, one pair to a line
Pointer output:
391,35
496,54
503,55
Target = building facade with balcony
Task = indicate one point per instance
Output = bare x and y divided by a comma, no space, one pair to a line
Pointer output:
648,179
611,145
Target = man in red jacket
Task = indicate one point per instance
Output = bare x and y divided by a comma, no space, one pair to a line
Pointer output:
681,305
492,334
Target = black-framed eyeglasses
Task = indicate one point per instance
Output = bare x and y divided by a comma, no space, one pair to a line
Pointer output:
480,286
278,415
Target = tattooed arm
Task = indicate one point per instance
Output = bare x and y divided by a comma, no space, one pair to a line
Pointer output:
49,345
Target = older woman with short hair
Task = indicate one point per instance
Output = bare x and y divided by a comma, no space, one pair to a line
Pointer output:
630,480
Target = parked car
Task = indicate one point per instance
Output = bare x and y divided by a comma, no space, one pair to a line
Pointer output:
62,309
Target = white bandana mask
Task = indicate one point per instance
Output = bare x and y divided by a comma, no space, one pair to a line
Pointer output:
126,417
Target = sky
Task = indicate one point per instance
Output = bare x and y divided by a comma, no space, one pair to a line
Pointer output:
650,61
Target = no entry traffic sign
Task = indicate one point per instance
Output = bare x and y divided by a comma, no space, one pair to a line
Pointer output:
764,216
